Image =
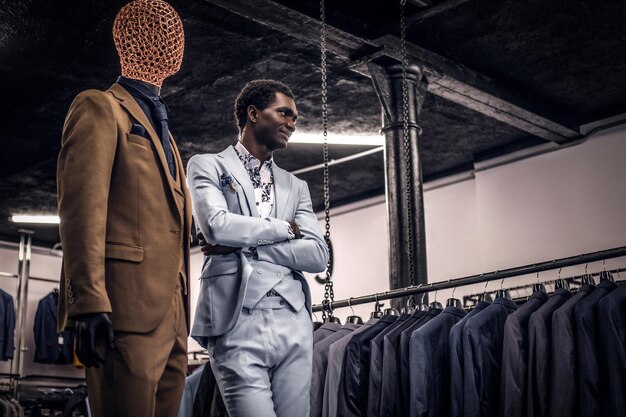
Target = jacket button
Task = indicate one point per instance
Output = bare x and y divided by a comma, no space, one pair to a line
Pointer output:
280,275
259,271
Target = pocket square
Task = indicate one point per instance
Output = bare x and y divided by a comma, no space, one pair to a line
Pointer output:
138,130
227,181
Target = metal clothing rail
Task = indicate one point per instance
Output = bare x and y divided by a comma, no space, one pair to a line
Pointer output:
480,278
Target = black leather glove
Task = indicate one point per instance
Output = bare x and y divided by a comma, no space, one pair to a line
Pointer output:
89,328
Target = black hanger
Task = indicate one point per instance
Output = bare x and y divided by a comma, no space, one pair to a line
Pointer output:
354,319
377,313
391,312
453,302
538,286
410,306
587,279
561,284
606,276
333,319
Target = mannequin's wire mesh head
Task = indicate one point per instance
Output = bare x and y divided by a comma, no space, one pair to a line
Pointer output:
149,39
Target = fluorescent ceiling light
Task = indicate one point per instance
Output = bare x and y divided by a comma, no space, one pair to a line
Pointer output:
35,219
318,138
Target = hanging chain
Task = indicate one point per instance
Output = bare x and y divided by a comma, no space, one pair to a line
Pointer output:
329,294
407,144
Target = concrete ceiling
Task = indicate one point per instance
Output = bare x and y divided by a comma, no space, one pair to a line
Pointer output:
543,63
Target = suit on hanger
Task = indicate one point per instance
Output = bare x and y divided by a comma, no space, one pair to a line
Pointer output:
539,335
483,335
356,369
125,228
374,384
332,384
324,331
7,318
563,368
455,343
51,347
514,377
405,338
429,367
586,319
390,379
612,353
320,366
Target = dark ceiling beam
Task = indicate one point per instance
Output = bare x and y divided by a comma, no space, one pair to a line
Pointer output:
445,78
420,16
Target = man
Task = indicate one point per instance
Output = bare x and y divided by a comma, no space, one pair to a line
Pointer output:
253,312
125,225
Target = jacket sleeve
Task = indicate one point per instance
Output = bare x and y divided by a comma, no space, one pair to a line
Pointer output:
84,168
308,254
217,223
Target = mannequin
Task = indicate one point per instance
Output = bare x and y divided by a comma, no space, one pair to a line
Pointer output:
125,225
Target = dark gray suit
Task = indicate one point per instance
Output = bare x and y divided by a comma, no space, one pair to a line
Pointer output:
539,334
324,331
320,366
563,369
355,370
612,352
377,369
455,341
515,357
482,357
390,381
429,365
586,318
405,339
332,385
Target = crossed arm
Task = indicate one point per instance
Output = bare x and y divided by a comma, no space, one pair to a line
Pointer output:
232,231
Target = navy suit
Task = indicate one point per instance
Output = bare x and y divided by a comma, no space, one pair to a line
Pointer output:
377,367
612,352
390,381
539,333
405,338
586,316
430,365
563,368
482,345
455,341
51,347
7,320
515,357
356,369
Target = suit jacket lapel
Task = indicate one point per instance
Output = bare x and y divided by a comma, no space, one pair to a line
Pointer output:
129,103
238,171
282,191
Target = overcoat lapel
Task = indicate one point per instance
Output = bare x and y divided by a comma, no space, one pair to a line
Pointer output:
282,191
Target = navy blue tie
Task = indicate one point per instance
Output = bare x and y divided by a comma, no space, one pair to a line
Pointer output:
159,113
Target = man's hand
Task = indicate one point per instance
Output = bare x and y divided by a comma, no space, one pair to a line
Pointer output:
296,230
209,250
89,328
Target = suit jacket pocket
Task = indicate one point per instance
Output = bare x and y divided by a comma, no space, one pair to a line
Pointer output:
138,140
123,251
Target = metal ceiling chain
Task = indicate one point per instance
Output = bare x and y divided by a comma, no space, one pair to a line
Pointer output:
329,294
407,143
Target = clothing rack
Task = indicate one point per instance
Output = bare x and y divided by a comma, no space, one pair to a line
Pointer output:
25,250
573,280
477,279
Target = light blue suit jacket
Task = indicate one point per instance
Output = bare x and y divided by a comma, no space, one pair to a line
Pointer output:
224,207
